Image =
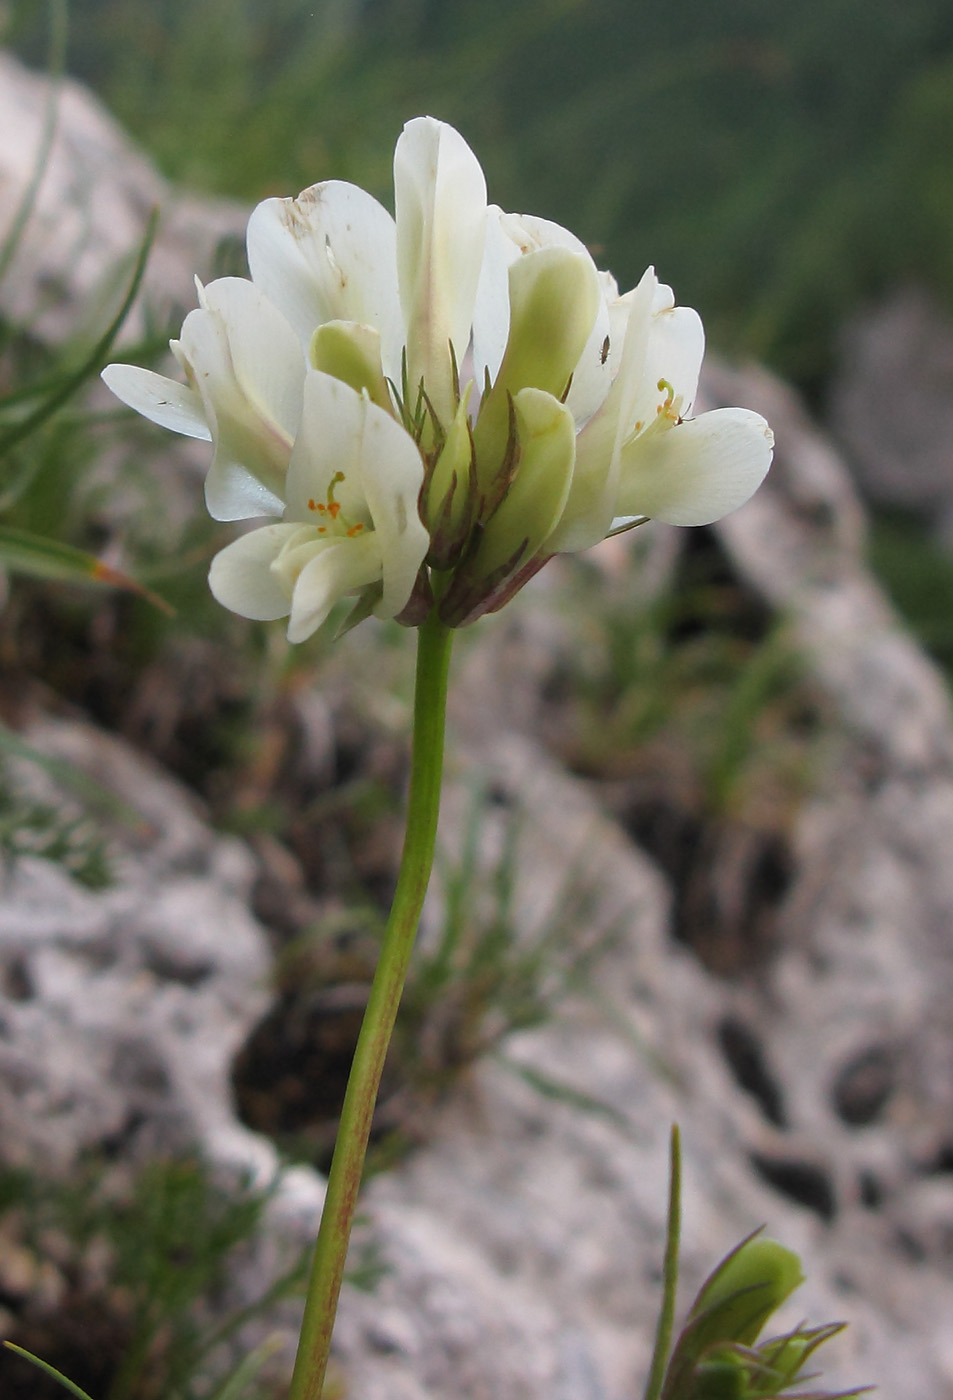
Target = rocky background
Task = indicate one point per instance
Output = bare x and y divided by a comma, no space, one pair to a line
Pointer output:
755,943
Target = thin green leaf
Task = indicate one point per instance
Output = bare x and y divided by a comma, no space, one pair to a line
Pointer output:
19,479
560,1092
56,66
96,357
64,1381
666,1319
234,1386
37,556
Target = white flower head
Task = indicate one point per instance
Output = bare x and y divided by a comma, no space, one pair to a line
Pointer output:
453,386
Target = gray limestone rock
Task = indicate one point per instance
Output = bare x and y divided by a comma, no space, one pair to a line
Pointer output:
89,213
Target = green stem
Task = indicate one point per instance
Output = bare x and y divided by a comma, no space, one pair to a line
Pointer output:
344,1179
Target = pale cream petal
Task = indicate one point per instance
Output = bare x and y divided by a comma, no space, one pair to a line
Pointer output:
338,569
232,493
330,255
676,346
591,503
391,475
163,401
249,369
491,311
342,432
241,577
441,213
329,442
698,471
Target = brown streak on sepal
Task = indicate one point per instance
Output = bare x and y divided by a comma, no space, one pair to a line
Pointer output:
522,576
454,375
418,605
447,543
508,467
468,598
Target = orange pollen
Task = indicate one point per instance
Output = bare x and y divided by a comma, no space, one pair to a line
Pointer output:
355,529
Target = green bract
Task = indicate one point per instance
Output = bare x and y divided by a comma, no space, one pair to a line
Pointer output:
456,388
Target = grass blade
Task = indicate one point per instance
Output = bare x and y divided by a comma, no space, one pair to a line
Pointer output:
64,1381
94,360
57,63
23,552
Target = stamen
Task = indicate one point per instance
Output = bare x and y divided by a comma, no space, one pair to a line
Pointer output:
330,512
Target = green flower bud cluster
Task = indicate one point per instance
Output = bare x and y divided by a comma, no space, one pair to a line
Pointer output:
718,1355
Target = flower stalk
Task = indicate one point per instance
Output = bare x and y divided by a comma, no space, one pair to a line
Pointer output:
347,1166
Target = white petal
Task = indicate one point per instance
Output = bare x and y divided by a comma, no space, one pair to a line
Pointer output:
440,203
697,471
249,369
676,347
241,577
232,493
330,255
338,568
589,509
239,344
491,311
328,442
161,400
342,431
392,475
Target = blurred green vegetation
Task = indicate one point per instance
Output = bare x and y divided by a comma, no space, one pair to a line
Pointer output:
125,1283
776,162
917,572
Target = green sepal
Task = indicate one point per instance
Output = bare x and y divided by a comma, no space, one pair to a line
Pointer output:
448,500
